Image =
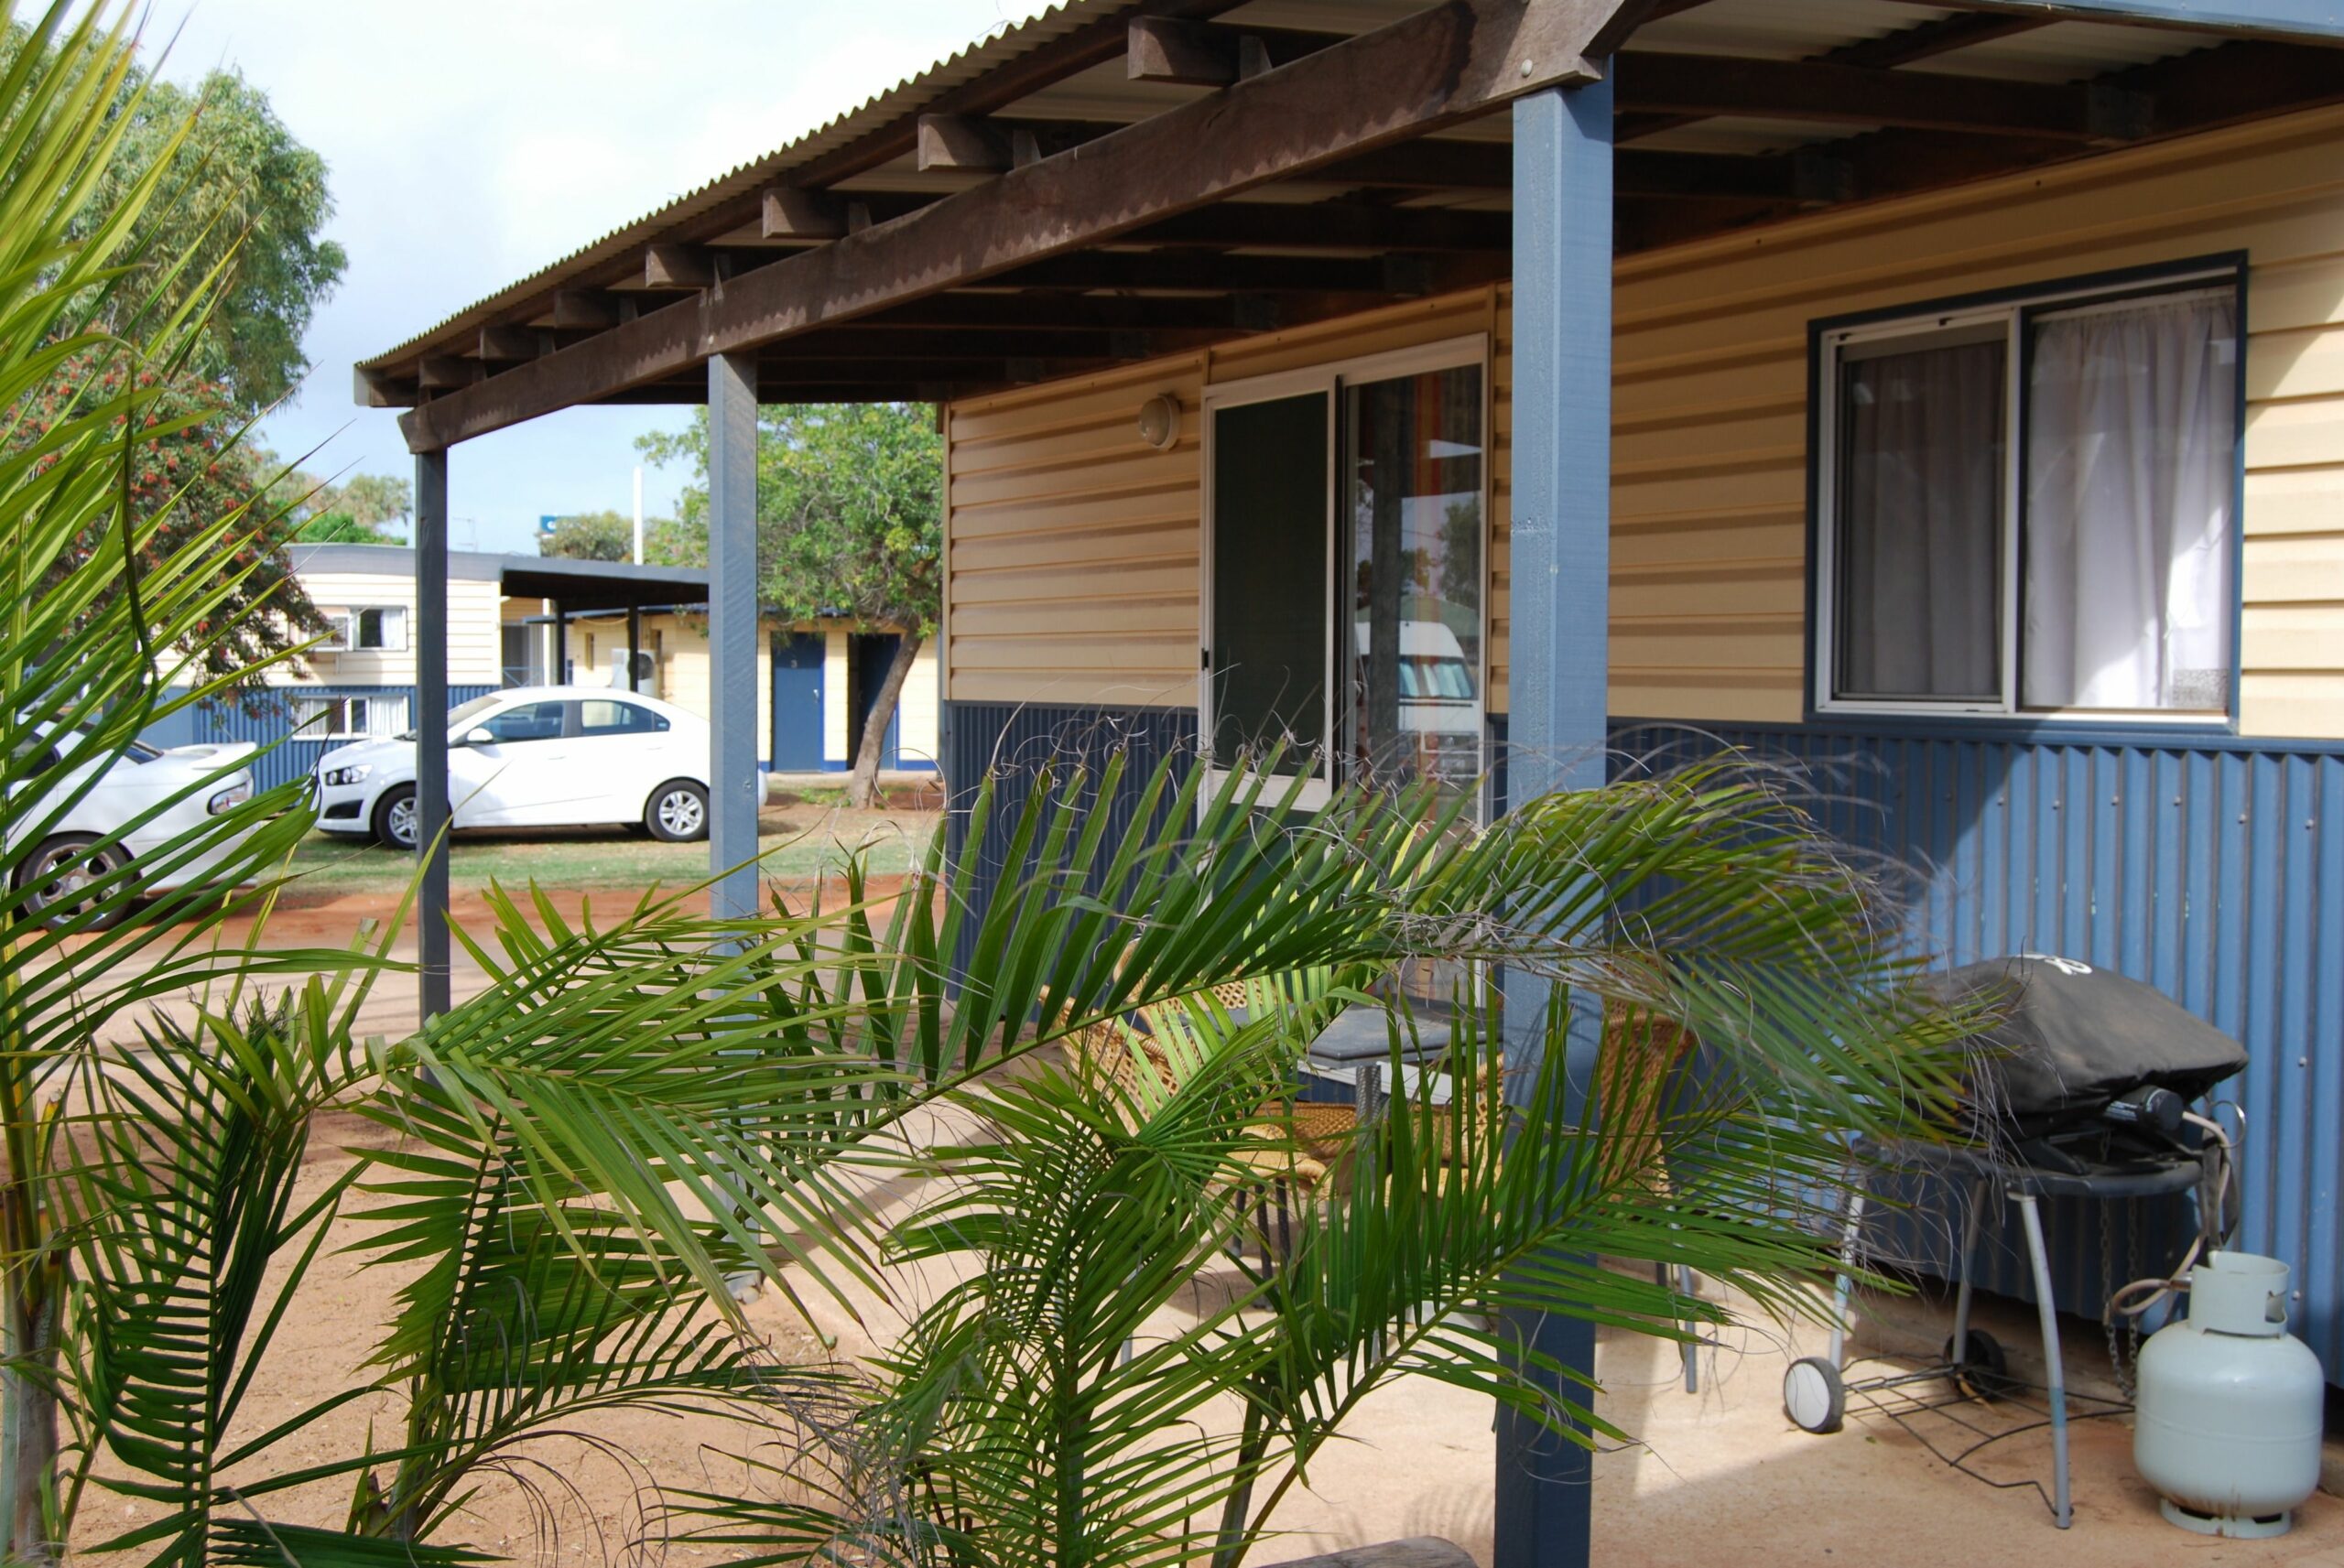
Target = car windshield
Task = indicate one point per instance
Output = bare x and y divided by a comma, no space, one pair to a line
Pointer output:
137,751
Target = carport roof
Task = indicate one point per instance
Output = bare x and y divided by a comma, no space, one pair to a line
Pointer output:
578,585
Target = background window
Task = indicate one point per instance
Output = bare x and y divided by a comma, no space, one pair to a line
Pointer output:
529,722
2106,530
349,718
607,716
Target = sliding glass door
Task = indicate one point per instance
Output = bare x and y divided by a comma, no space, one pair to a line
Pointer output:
1347,569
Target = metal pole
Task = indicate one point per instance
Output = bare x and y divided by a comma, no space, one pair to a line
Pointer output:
560,644
736,789
431,726
633,643
2054,1369
1561,541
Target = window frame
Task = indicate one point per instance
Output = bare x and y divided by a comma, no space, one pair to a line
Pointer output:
2015,309
326,703
346,622
1328,378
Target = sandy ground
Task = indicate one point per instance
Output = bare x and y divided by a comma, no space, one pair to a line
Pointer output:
1716,1478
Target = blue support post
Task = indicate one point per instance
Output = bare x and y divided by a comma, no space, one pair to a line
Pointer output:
1562,553
735,787
431,728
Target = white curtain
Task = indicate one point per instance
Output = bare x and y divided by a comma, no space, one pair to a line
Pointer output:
1921,509
2131,485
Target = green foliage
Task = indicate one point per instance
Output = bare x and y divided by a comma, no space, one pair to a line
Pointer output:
850,509
241,197
211,205
363,509
609,537
340,528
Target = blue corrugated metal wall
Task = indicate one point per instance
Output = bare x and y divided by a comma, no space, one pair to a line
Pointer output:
2214,871
268,720
1014,740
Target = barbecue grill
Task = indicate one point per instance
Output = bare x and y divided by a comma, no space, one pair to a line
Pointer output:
2083,1089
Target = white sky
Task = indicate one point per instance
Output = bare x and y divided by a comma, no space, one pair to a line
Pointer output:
472,142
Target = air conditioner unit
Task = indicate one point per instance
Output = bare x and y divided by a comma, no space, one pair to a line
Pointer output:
645,675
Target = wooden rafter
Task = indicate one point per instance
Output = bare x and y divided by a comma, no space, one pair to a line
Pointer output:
1907,45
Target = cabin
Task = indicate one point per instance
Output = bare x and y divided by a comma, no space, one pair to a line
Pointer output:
516,619
1946,397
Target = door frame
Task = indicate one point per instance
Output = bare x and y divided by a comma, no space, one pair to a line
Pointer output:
1470,349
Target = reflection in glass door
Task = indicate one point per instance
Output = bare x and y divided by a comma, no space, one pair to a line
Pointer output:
1413,528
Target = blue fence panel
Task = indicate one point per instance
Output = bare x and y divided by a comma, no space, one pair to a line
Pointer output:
267,721
2213,871
1013,740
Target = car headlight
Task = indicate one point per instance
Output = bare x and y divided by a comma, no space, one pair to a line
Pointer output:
336,777
228,799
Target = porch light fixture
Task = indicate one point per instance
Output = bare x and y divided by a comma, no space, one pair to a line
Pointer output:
1159,421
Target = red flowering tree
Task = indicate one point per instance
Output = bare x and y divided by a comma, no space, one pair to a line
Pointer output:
187,471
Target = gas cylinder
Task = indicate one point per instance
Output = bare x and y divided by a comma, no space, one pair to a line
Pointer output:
2228,1424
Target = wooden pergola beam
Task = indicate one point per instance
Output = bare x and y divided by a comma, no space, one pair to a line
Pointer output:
791,213
585,310
1907,45
2197,92
1213,54
678,266
1433,68
1823,92
1334,226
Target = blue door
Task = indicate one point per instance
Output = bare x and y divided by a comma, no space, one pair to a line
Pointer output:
797,702
868,659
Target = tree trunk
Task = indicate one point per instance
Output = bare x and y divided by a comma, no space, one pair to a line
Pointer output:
29,1423
862,783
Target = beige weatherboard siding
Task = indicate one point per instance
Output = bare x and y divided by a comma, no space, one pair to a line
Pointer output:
1073,548
474,617
1074,555
1710,414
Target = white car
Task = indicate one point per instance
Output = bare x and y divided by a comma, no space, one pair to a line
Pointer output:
197,782
534,757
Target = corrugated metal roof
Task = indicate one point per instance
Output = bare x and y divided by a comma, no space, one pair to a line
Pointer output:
1759,30
744,179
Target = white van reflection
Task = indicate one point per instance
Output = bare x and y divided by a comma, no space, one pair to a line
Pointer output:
1440,709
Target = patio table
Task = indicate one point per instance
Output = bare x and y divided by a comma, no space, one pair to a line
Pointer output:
1357,1044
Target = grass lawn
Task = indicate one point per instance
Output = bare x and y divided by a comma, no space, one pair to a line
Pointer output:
795,840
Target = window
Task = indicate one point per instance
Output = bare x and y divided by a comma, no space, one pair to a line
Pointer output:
529,721
1346,567
370,629
605,716
349,717
2031,507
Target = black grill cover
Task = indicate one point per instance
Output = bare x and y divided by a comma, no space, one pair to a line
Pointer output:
2070,1038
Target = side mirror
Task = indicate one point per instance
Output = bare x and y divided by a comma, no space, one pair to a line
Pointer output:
481,737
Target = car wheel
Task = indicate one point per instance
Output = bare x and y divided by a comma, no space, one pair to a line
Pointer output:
397,819
76,862
678,812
